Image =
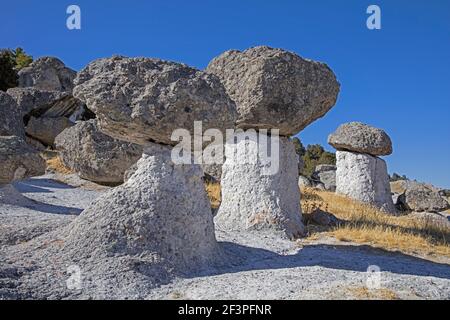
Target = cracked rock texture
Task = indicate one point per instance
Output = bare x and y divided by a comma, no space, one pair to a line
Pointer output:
144,100
274,88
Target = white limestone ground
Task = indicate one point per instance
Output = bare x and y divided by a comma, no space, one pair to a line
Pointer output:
260,266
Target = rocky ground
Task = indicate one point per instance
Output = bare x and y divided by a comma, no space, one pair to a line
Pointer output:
257,267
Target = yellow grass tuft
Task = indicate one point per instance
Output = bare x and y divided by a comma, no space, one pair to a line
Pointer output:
364,224
367,225
213,190
57,165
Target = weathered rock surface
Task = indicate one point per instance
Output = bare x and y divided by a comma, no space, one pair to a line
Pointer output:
50,104
325,174
257,196
421,197
141,100
359,137
47,73
274,88
364,178
18,160
94,155
11,123
47,129
131,239
432,218
303,182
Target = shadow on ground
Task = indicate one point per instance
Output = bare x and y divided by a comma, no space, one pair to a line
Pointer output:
338,257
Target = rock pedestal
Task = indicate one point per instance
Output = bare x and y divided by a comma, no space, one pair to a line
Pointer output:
162,213
254,197
364,178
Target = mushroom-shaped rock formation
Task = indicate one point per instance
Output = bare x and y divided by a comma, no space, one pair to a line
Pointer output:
274,88
360,174
143,100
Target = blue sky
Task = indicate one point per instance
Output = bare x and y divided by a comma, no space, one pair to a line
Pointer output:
396,78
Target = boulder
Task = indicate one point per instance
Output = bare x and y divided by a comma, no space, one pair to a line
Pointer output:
258,194
10,118
325,174
432,218
323,218
303,182
359,137
47,73
47,129
141,100
364,178
274,88
94,155
420,197
18,160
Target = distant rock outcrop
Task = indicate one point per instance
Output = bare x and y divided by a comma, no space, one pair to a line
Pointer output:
325,174
419,197
94,155
47,73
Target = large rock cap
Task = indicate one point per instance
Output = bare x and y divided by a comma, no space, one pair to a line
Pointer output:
94,155
47,73
10,117
362,138
18,160
274,88
142,99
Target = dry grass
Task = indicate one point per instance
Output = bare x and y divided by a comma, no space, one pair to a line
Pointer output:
57,165
363,293
366,225
213,190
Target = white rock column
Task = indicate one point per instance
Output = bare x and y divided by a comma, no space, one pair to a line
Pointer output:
162,211
364,178
260,194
